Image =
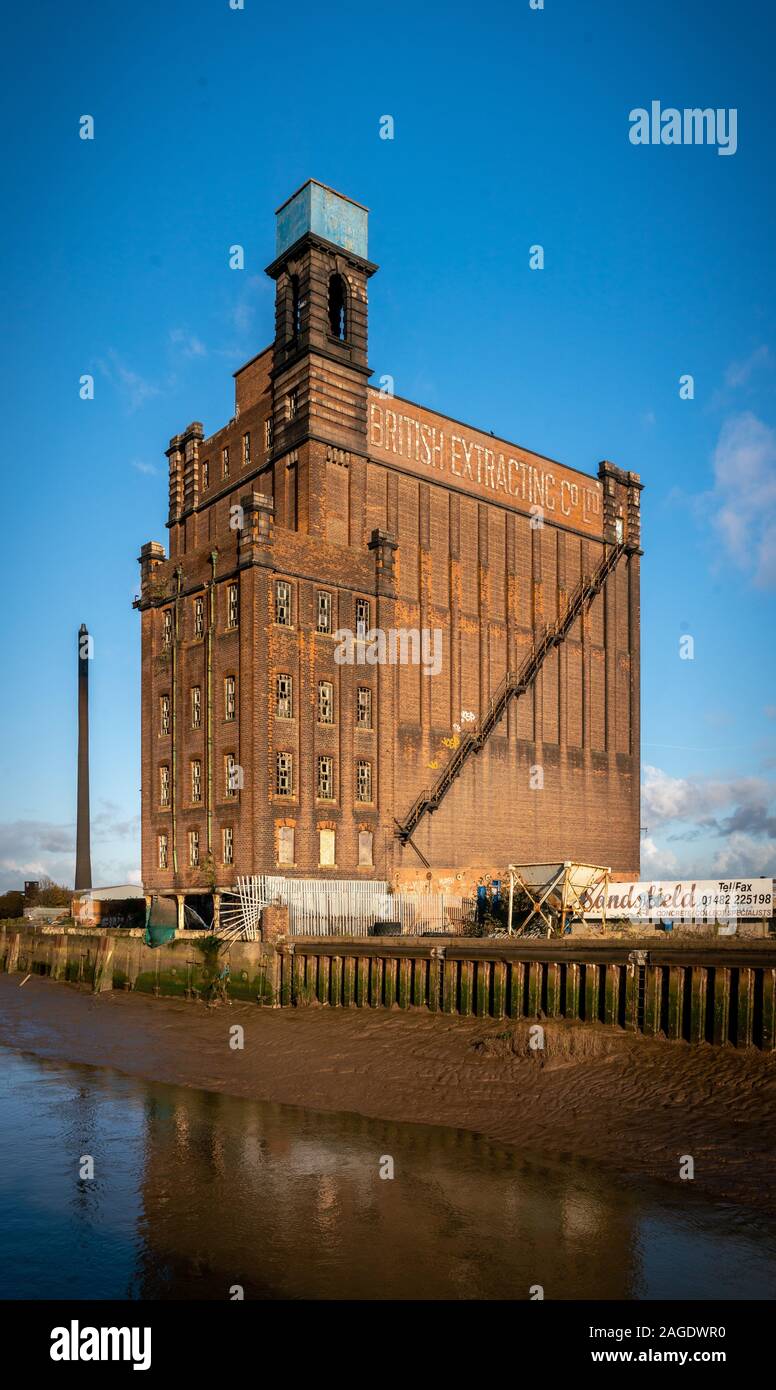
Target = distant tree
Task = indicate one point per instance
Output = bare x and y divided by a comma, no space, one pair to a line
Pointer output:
51,894
11,905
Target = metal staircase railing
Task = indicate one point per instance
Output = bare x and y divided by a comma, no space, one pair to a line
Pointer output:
515,683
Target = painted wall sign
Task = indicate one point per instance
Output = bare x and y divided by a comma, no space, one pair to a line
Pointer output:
686,899
486,467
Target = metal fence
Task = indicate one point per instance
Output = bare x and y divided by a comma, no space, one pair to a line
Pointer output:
344,907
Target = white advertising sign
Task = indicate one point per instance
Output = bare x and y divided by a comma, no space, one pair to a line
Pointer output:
684,900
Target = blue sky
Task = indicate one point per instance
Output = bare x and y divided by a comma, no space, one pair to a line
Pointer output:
511,129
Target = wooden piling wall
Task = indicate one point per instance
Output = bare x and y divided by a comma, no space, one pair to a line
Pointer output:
717,997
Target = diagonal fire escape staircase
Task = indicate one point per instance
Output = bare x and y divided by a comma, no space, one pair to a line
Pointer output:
514,684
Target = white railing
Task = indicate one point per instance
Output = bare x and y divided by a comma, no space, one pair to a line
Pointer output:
340,907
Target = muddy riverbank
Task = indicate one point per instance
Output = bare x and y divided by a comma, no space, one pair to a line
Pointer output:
631,1105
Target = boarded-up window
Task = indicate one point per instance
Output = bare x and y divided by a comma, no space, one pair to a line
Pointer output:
408,538
285,844
365,847
376,501
337,478
326,840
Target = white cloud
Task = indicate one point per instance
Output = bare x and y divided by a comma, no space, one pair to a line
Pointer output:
135,388
744,495
743,853
32,849
730,822
739,373
657,862
187,344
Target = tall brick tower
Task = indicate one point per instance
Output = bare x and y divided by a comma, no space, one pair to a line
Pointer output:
325,505
319,356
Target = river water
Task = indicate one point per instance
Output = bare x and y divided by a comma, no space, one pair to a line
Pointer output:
197,1195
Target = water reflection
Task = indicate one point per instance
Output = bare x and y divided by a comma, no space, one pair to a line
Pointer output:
196,1192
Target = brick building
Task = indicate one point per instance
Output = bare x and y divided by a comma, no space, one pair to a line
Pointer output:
326,504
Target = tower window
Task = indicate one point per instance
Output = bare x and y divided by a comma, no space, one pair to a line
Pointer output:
269,433
228,843
325,702
164,714
326,779
196,780
293,404
225,461
162,851
199,617
364,708
194,848
232,609
233,775
246,450
324,611
164,785
363,780
196,706
284,697
205,474
338,301
283,602
167,628
297,304
230,697
284,774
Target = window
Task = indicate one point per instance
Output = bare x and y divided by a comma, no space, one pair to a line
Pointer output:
364,707
225,461
232,775
162,851
284,697
283,602
363,780
194,848
227,840
205,474
285,844
199,617
232,606
325,702
164,785
324,611
338,302
269,434
297,304
284,774
365,848
246,450
196,780
167,627
164,714
326,779
196,706
326,846
362,617
293,404
230,697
